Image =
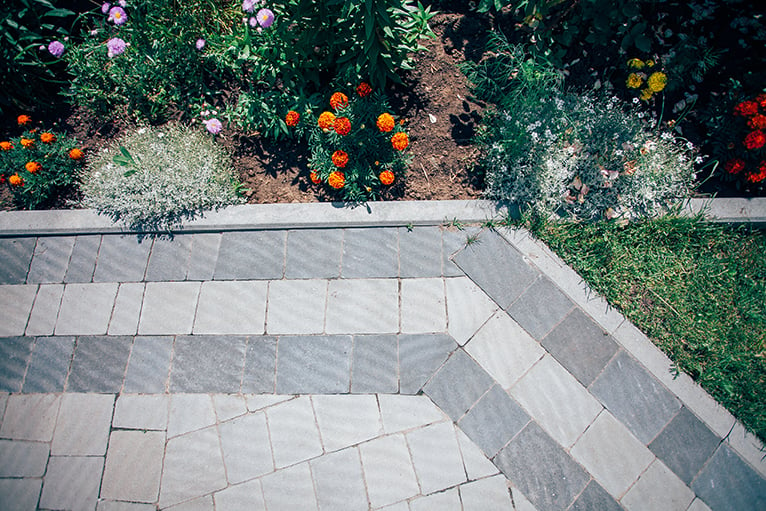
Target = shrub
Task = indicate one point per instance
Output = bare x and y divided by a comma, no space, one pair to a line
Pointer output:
155,177
39,167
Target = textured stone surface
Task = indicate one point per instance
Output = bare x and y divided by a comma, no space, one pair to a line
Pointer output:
339,481
141,411
14,357
458,385
82,428
541,307
362,306
42,319
169,258
301,494
346,420
420,252
15,306
658,488
49,365
99,364
50,260
468,308
16,254
375,364
388,470
297,306
370,252
86,309
313,254
423,306
231,308
168,308
30,417
246,448
436,457
260,371
490,494
401,413
314,364
122,259
72,482
133,466
190,412
23,459
727,482
208,364
149,365
257,255
203,256
595,497
127,309
245,497
20,494
294,433
493,421
82,263
420,355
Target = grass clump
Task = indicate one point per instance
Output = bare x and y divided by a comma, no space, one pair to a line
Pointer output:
697,289
155,177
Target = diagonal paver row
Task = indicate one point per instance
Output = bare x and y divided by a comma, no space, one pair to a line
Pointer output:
560,404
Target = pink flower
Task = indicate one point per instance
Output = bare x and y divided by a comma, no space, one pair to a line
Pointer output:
117,15
115,46
214,126
200,44
56,49
105,7
265,18
248,5
253,22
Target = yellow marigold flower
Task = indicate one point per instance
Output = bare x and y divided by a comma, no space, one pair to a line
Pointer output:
6,146
386,177
47,138
657,81
646,94
634,81
636,64
338,100
337,179
326,120
15,180
385,122
76,154
33,167
400,141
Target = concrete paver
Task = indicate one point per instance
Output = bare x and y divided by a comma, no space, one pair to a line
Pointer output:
42,318
388,470
16,304
294,432
30,417
82,427
436,457
49,365
339,481
133,466
86,309
16,254
15,353
50,260
72,482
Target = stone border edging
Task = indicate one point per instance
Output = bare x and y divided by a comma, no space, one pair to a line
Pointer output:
730,210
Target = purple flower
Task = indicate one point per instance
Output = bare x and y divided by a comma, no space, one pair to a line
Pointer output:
105,7
265,18
253,22
123,3
248,5
56,48
214,126
117,15
115,46
200,44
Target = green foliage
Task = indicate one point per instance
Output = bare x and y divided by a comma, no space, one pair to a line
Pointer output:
697,289
153,178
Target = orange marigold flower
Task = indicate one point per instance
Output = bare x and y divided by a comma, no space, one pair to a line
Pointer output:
385,122
746,108
326,120
23,120
337,179
734,166
400,141
292,118
338,100
386,177
363,89
47,138
759,176
342,126
76,154
757,122
314,176
33,167
755,140
6,146
15,180
340,158
27,142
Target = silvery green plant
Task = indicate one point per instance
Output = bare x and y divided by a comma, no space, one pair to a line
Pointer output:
153,178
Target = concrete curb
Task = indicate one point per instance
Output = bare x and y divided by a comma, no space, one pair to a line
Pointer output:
730,210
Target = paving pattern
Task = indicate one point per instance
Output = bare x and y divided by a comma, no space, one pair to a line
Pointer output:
405,369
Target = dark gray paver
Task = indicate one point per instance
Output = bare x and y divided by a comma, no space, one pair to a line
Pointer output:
541,469
169,258
16,255
458,384
581,346
50,260
595,498
370,252
728,483
375,365
99,364
257,255
420,355
208,363
14,357
260,365
49,365
203,257
149,365
685,445
420,252
493,421
635,397
82,263
313,253
122,259
496,267
540,308
314,364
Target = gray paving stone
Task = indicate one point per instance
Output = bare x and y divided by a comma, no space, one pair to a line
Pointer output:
23,459
86,309
15,306
468,308
420,252
16,254
208,364
49,365
685,445
72,483
99,364
388,470
243,497
313,254
122,259
423,306
246,448
345,420
375,364
401,413
658,488
237,307
339,482
541,469
169,308
42,319
82,428
296,306
454,240
314,364
476,463
420,355
50,260
15,353
133,466
260,366
149,365
490,494
190,412
294,432
595,497
127,309
199,504
362,306
727,482
446,501
370,253
251,255
169,258
497,267
301,495
493,421
141,411
436,457
540,308
30,417
635,397
203,257
20,494
112,505
458,384
580,346
229,406
82,263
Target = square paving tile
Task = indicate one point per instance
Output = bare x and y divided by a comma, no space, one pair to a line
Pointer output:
247,496
581,346
122,259
169,258
420,355
30,417
375,364
72,482
436,457
203,256
490,494
339,481
314,364
246,448
294,432
168,308
423,306
82,263
127,309
260,365
99,364
346,420
50,260
468,308
370,252
15,353
301,494
477,464
149,365
401,413
453,241
15,306
23,459
20,494
658,488
82,428
133,466
141,411
42,319
388,470
296,306
540,308
362,306
448,500
313,254
16,254
208,364
458,385
493,421
86,309
727,482
635,397
420,252
231,308
251,255
49,365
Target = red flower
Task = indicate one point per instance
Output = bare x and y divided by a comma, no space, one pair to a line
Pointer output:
314,176
342,126
755,140
746,108
292,118
363,89
338,100
761,100
734,166
760,176
337,179
757,122
340,158
386,177
400,141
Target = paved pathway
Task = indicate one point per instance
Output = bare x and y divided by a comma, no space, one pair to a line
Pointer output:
424,368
